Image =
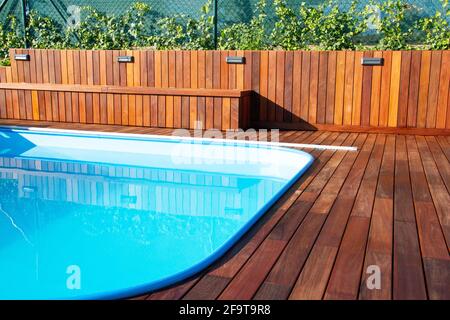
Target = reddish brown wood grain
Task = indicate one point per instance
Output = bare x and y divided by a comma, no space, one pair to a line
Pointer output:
305,84
289,88
433,89
272,82
331,87
313,87
280,85
366,93
375,91
322,87
318,240
413,90
348,87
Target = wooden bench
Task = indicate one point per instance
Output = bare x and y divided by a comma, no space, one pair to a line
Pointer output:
119,105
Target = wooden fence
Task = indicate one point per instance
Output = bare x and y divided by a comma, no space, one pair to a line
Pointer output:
290,89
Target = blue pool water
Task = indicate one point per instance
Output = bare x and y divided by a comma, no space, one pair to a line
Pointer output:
88,215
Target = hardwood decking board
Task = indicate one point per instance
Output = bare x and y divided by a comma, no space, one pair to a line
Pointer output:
297,251
438,190
345,278
231,267
441,160
408,277
278,237
404,231
379,243
430,233
432,241
327,243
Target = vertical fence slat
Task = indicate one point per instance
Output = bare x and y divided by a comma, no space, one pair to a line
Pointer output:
234,114
59,79
13,72
304,95
103,119
272,72
404,89
32,66
201,103
151,68
23,107
348,87
232,72
322,87
375,91
357,89
217,115
413,91
137,82
3,113
153,111
254,107
193,56
433,89
83,80
288,85
177,112
117,112
132,97
423,89
48,68
169,112
366,93
224,81
385,89
39,79
96,81
240,72
16,103
65,80
395,88
331,87
279,91
8,95
28,97
263,85
175,69
313,87
209,111
340,85
226,112
296,86
443,102
178,71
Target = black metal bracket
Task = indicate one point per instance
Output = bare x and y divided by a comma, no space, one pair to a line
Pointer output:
372,61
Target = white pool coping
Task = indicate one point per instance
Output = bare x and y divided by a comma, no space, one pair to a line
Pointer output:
180,138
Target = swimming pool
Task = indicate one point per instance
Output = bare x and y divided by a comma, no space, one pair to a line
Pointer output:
93,215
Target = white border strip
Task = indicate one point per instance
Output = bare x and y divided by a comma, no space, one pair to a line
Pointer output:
180,138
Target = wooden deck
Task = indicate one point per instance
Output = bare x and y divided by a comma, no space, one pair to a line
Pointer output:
387,204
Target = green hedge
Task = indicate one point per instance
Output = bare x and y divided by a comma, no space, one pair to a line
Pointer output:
324,27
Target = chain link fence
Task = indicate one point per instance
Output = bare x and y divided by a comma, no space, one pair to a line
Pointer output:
227,11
